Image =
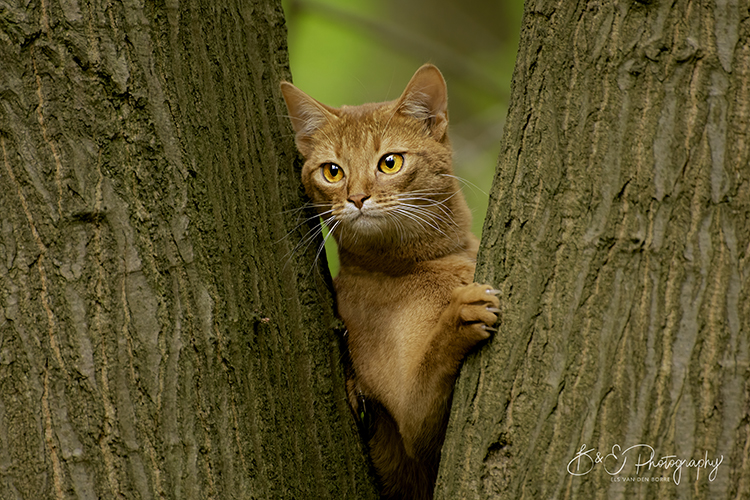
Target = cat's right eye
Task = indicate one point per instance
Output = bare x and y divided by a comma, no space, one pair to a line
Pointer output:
332,172
391,163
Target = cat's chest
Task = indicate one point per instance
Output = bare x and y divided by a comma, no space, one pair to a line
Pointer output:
391,320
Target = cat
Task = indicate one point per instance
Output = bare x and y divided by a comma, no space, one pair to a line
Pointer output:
380,176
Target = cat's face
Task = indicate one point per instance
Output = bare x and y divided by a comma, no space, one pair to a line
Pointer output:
380,174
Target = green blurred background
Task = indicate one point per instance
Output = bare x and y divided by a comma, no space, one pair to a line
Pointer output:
351,52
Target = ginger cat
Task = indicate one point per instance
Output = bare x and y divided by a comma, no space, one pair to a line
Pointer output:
380,176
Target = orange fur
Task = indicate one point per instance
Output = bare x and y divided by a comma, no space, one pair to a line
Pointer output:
404,290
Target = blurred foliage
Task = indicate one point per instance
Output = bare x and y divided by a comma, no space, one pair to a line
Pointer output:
345,52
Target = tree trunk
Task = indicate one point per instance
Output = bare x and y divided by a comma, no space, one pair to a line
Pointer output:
159,336
619,235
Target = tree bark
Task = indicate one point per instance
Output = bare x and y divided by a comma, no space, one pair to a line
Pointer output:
619,235
159,335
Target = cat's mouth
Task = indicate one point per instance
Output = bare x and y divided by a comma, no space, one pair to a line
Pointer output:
362,220
367,211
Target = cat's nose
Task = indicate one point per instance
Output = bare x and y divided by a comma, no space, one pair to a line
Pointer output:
358,199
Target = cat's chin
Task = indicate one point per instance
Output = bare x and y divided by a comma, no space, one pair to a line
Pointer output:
367,231
364,225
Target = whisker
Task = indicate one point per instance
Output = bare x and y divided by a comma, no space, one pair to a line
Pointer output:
421,214
450,194
305,221
425,197
308,238
388,122
430,203
408,216
303,244
424,192
416,218
445,210
323,243
466,182
400,228
304,207
311,235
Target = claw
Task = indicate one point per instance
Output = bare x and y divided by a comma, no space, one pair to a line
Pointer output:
494,310
492,291
489,329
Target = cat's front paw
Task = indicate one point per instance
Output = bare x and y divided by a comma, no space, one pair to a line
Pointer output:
477,309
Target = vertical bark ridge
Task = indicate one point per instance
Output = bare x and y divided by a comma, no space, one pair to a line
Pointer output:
618,234
160,337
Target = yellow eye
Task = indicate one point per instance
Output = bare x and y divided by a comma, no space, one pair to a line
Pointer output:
391,163
332,172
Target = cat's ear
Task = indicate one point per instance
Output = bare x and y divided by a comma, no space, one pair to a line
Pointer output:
426,99
307,115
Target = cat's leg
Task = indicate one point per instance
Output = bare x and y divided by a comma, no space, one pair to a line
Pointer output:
466,321
401,477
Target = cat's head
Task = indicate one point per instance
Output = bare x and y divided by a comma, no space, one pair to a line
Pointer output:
380,174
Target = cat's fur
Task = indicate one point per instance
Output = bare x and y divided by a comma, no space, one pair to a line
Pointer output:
404,290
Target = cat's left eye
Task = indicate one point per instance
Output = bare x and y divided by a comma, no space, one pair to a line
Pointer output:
332,172
391,163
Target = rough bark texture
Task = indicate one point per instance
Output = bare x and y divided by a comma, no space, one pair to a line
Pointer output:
619,234
158,336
